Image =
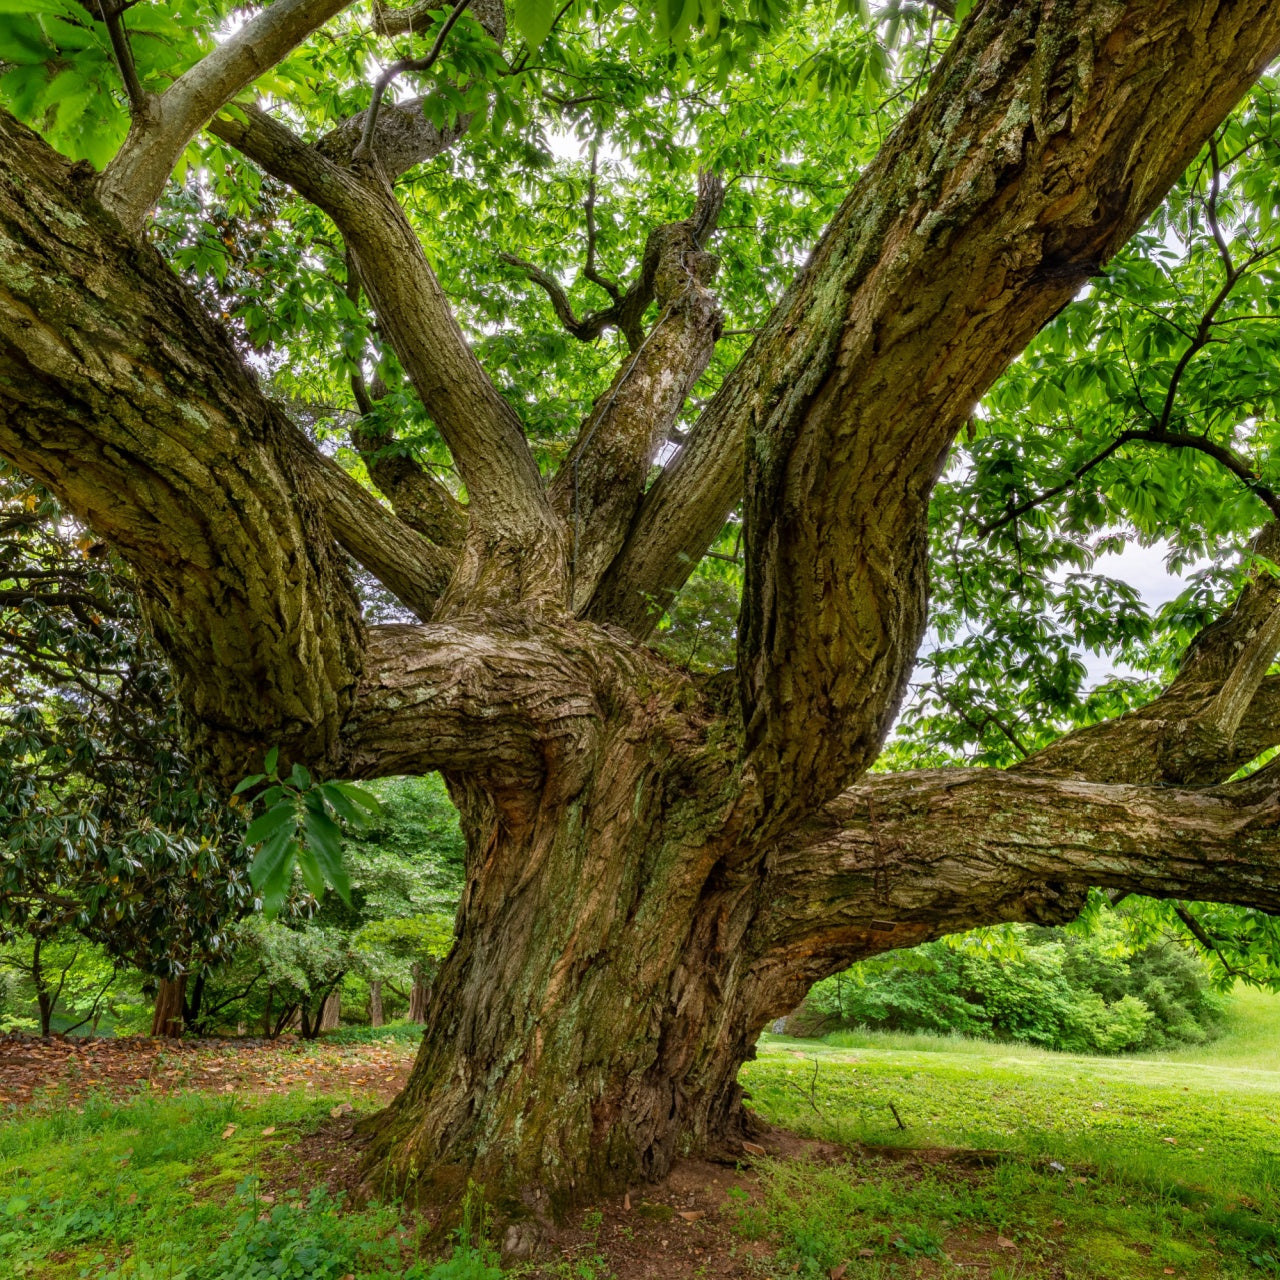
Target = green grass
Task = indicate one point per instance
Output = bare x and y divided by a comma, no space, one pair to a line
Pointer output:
171,1189
397,1032
1168,1166
1165,1163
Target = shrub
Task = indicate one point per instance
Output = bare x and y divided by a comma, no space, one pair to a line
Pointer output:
1057,989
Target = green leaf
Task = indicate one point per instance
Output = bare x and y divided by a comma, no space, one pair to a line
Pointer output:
270,822
312,876
300,777
272,758
271,872
60,8
534,19
324,841
366,800
963,9
251,781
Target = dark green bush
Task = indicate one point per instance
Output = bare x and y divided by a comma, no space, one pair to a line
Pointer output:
1060,990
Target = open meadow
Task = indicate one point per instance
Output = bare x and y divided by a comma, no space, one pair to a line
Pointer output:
137,1159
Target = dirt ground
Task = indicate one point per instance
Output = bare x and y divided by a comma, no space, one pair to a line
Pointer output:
30,1065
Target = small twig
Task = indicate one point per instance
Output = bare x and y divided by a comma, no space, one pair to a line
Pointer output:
897,1117
123,53
364,148
589,207
1198,932
810,1095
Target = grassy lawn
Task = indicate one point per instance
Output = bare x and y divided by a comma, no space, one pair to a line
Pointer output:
1112,1167
1013,1163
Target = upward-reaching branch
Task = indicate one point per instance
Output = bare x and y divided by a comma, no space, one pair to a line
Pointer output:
163,125
514,537
920,215
948,256
602,479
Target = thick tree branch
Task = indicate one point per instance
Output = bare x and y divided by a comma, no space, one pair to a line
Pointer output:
1234,700
913,304
600,483
906,857
864,300
419,499
513,533
506,705
131,184
409,565
135,409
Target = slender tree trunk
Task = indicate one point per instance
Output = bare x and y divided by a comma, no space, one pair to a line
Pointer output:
191,1005
418,995
167,1018
45,999
330,1012
375,1003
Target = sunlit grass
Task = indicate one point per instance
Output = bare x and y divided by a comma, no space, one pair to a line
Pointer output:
1174,1159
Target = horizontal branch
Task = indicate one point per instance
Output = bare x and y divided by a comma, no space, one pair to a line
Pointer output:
499,704
905,857
1227,458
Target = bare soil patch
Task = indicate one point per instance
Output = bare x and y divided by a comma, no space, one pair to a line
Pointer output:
32,1068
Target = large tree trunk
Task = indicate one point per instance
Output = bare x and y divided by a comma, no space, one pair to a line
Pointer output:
166,1019
589,1023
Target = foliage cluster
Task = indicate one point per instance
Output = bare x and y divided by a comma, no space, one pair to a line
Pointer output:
405,874
1080,992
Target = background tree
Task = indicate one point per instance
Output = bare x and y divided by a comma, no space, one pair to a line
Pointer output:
106,829
407,872
658,860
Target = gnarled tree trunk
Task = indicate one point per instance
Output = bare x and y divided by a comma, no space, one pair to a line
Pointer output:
657,864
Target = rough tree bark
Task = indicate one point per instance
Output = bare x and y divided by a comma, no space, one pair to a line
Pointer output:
375,1003
657,864
331,1012
166,1018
